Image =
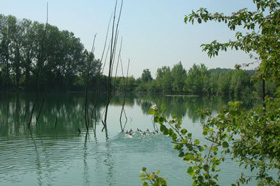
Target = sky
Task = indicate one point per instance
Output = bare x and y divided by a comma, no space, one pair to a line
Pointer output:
153,32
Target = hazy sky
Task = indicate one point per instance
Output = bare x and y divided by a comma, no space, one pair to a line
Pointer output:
153,31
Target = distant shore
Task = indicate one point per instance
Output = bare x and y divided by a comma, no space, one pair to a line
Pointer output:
182,95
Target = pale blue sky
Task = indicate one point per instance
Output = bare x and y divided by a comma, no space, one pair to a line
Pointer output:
154,33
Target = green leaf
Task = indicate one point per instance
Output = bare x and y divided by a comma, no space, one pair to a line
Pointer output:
225,144
181,154
188,157
205,132
196,142
186,19
170,132
158,172
144,169
184,131
151,111
215,148
190,170
145,184
163,129
161,119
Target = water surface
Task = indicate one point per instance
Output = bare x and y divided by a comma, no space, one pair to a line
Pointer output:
53,152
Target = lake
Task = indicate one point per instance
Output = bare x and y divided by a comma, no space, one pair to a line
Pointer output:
54,152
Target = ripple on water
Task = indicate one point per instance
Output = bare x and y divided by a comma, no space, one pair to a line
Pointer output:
45,160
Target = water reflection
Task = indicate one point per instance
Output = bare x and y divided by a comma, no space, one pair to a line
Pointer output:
86,175
54,153
181,106
109,162
64,113
37,162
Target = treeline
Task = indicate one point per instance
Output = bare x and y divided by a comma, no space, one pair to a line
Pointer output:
198,80
36,55
40,56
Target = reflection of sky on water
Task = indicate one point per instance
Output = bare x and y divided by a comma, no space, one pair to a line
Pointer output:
58,155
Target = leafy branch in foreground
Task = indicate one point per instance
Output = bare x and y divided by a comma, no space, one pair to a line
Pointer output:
234,133
202,157
153,178
262,36
250,137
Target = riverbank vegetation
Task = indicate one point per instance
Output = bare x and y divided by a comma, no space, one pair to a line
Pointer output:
65,62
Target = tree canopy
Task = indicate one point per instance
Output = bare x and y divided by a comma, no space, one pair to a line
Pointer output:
251,137
29,50
262,36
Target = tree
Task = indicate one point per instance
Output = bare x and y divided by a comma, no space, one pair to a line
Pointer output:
16,34
263,37
197,79
178,76
249,136
223,83
164,79
7,30
28,51
240,83
146,82
34,54
146,76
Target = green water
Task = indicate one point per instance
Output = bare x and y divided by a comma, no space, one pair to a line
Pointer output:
53,152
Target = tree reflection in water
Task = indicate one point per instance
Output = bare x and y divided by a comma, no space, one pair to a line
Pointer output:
53,148
63,113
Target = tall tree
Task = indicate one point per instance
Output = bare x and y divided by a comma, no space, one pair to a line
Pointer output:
8,29
197,79
146,76
28,51
164,79
179,75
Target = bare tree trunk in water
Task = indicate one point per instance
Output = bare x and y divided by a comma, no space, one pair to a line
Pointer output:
86,114
113,44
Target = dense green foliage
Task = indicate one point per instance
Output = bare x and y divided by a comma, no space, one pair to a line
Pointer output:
36,55
262,36
32,52
250,137
199,80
